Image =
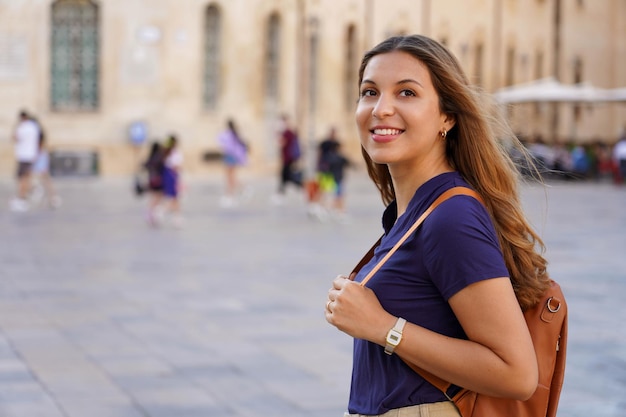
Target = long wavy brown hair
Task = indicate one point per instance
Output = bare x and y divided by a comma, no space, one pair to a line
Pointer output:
475,148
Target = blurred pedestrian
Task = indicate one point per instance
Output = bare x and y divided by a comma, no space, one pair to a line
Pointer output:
325,150
26,140
323,182
172,167
562,160
331,164
235,155
43,188
290,153
580,161
619,156
604,166
337,164
542,153
154,166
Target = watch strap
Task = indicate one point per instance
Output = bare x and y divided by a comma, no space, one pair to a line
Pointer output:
394,336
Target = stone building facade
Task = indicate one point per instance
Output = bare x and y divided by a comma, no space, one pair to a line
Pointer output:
89,69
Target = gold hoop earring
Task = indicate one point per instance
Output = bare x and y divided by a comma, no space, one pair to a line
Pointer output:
443,133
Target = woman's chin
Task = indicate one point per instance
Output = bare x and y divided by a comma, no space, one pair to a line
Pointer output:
381,157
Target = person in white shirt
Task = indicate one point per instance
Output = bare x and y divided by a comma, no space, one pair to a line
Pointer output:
26,139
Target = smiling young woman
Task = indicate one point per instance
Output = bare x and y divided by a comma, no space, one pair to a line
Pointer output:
400,121
450,299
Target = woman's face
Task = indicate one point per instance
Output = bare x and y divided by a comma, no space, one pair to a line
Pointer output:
398,116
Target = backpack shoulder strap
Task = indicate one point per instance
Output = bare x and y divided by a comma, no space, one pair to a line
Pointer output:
443,197
548,328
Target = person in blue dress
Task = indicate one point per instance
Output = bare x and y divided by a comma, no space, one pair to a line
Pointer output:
452,296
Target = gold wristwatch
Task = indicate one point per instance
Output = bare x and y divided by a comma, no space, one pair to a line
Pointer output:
394,336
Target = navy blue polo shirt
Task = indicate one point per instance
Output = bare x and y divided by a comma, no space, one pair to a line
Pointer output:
455,246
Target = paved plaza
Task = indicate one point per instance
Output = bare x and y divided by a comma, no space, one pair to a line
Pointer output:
102,316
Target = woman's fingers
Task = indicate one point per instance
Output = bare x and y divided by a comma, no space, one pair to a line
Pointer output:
339,282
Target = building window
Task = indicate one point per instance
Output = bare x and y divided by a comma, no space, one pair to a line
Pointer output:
578,78
75,50
578,70
538,74
510,66
478,65
538,65
212,38
313,58
272,57
351,69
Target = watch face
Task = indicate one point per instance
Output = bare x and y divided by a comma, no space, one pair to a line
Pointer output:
394,337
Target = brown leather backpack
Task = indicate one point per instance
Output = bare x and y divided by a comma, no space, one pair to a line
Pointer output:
547,323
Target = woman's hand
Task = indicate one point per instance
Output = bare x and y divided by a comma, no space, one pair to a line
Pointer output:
355,310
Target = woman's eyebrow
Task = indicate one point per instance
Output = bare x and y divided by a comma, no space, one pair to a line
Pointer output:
404,81
410,81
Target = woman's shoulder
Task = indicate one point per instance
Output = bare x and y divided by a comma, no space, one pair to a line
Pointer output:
458,211
459,218
428,192
458,208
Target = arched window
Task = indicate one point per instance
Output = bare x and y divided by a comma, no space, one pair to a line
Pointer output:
212,40
75,50
478,64
272,57
510,66
538,73
313,63
578,78
538,65
351,69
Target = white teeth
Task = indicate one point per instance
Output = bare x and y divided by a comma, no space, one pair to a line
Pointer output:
384,132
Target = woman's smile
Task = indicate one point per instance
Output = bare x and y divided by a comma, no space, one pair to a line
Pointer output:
385,134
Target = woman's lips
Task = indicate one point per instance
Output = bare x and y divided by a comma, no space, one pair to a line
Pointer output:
383,135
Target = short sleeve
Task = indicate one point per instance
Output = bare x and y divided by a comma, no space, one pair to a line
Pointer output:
461,246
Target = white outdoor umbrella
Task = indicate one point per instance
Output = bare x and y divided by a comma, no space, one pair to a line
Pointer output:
617,94
549,90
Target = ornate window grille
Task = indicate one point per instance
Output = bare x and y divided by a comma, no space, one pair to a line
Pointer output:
212,38
272,57
75,49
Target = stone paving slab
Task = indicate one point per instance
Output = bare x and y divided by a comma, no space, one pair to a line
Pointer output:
102,316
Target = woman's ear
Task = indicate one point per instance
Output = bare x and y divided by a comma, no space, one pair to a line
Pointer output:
449,122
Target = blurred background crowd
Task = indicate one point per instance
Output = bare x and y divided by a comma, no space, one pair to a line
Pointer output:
106,79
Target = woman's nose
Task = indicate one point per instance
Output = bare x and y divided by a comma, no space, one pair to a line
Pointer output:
383,108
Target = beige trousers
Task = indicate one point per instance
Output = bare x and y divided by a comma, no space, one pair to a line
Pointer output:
442,409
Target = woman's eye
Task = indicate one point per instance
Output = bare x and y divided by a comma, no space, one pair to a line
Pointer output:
368,93
407,93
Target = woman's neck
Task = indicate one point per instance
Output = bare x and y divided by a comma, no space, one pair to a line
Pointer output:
406,183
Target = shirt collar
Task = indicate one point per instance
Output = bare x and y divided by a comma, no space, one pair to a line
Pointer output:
422,196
